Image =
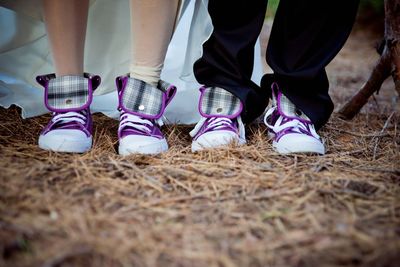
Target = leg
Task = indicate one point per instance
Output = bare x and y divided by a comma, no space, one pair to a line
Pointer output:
225,69
227,59
142,97
152,26
66,28
68,94
306,36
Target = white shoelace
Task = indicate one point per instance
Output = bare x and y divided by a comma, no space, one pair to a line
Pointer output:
71,116
141,124
294,124
219,123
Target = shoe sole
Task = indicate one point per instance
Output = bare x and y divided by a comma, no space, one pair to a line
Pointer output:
196,146
150,149
300,148
65,145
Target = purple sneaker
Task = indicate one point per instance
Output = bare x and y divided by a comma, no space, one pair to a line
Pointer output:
142,107
69,98
292,131
220,124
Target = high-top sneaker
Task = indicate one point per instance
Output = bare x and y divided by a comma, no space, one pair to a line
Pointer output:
69,99
220,124
291,129
142,107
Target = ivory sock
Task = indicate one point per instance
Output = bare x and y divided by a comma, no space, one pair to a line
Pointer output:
152,26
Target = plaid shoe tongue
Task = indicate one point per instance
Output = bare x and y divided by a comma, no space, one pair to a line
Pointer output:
68,93
144,100
286,108
218,102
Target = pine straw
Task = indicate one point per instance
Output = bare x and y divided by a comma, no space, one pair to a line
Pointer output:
244,206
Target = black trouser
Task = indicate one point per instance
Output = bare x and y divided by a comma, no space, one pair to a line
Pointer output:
306,36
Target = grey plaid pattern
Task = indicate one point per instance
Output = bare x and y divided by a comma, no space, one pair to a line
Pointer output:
288,108
140,97
219,102
67,92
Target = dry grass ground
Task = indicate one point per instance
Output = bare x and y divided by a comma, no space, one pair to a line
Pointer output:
245,206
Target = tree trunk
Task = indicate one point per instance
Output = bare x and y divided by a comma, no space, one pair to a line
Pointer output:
388,64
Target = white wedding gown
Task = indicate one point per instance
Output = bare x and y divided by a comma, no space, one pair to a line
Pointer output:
24,54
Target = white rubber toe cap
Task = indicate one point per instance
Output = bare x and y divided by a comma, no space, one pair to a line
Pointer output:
299,143
216,139
139,144
66,140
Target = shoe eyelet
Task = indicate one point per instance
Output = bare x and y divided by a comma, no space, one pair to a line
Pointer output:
219,110
68,101
298,112
141,107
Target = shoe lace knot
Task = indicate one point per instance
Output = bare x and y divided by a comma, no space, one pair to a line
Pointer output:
215,123
133,122
282,124
60,120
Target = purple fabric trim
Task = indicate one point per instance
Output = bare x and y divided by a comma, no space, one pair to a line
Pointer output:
170,94
95,80
167,96
43,79
233,116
